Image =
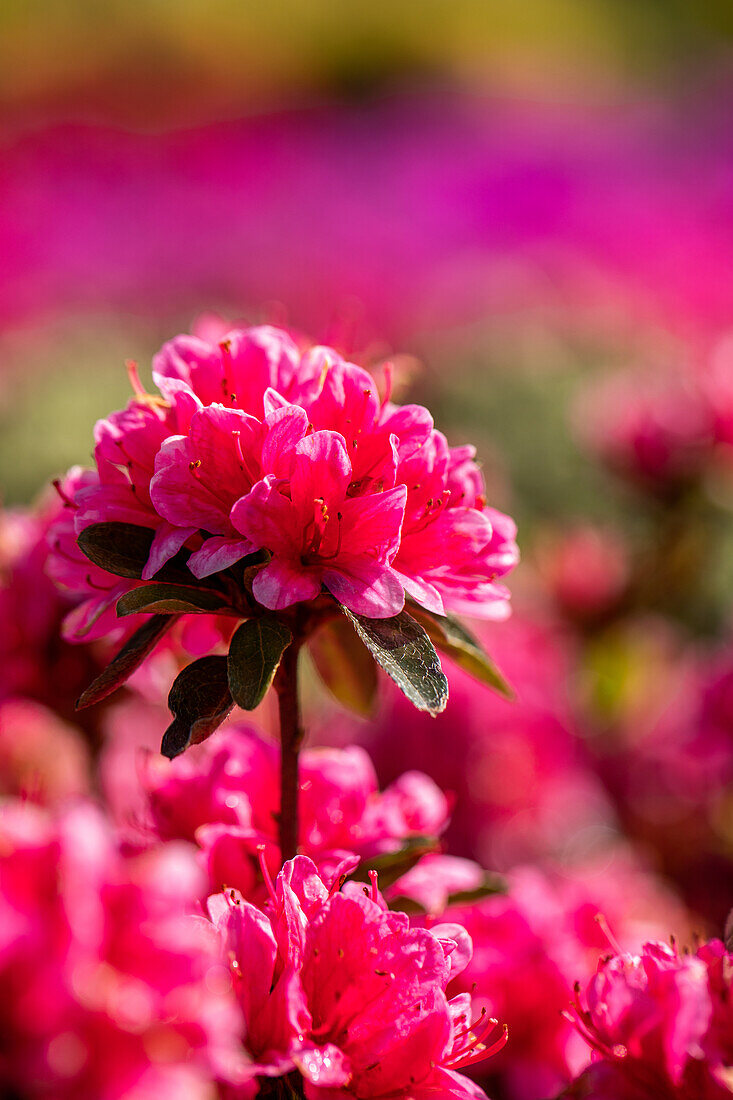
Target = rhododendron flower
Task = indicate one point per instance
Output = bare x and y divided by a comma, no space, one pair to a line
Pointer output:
255,446
334,985
111,986
655,428
659,1024
318,534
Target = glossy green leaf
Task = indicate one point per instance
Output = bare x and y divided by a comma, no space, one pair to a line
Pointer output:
403,649
120,548
200,700
254,654
130,657
124,548
170,599
452,638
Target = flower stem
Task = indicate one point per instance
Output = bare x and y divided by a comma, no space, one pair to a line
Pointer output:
291,738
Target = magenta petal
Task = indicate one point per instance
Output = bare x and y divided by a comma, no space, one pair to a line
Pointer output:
182,498
166,544
372,524
366,588
321,469
190,362
267,518
216,554
286,427
281,584
422,592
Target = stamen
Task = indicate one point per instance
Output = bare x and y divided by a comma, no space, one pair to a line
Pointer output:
137,387
388,372
225,347
242,460
266,873
477,1050
336,885
373,878
69,502
603,925
337,551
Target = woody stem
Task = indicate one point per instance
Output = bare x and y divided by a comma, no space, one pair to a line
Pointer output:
291,739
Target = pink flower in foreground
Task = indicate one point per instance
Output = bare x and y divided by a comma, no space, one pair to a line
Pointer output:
660,1026
334,985
255,446
110,987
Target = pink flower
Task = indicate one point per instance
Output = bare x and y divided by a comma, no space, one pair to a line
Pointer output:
318,534
654,1023
111,985
236,371
41,757
256,446
333,984
34,660
94,591
200,477
654,428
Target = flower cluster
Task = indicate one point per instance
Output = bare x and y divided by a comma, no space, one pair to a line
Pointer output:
110,986
333,984
660,1024
254,447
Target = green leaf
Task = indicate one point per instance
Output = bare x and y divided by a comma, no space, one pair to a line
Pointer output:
254,654
171,599
120,548
404,650
124,548
452,638
391,866
345,666
130,657
200,700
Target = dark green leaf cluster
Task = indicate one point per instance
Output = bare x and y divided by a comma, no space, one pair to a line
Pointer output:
344,647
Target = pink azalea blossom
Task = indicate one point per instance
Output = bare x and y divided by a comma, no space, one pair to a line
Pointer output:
35,661
41,757
660,1025
257,446
111,986
655,428
334,985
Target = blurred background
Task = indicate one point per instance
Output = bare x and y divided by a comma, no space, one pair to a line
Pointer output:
529,207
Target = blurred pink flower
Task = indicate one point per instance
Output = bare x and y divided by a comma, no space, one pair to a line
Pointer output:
523,783
41,757
225,796
111,985
586,570
659,1024
653,427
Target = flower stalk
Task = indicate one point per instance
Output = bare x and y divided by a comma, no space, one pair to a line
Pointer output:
291,740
